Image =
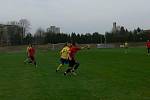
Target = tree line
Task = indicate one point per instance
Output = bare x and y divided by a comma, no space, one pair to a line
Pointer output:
137,35
49,37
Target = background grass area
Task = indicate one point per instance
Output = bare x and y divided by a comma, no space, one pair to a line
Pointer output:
104,74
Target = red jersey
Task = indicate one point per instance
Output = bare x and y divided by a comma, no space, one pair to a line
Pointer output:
148,44
31,51
73,50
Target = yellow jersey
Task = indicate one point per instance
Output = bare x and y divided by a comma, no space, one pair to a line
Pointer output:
65,52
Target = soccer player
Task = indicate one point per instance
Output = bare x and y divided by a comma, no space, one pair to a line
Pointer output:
64,56
73,64
126,47
27,52
31,54
148,47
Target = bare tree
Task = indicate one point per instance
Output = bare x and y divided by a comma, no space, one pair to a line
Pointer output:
25,24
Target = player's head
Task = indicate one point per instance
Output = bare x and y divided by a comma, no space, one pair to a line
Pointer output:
30,45
147,40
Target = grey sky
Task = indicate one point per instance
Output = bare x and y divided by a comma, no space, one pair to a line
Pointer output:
79,16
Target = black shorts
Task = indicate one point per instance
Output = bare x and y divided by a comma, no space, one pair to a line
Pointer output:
32,58
72,63
64,61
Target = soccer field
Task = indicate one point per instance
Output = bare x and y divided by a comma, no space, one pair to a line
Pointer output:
103,74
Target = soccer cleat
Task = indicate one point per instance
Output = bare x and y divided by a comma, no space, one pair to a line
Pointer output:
56,70
65,73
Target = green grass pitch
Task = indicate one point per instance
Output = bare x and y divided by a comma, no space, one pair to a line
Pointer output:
104,74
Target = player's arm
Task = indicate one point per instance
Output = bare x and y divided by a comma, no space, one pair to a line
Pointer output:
85,47
27,51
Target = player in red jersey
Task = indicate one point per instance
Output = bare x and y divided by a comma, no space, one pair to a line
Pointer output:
31,52
148,47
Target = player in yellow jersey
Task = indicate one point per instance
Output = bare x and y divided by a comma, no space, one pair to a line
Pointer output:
64,56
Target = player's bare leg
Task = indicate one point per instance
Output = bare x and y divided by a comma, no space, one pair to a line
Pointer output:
59,67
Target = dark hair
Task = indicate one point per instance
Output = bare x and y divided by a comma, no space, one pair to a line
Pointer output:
30,44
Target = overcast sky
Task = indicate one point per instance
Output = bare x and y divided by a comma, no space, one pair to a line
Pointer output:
79,16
